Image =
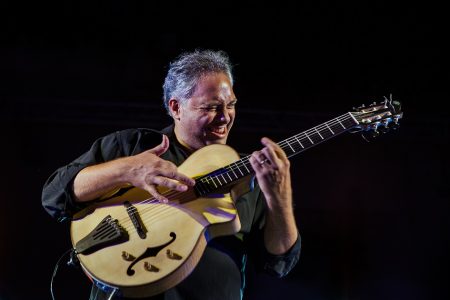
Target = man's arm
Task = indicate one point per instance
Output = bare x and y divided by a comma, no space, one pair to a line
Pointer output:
145,170
272,171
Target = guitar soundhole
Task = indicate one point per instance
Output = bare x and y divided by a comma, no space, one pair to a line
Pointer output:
150,252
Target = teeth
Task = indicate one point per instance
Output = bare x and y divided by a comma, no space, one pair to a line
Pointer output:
219,130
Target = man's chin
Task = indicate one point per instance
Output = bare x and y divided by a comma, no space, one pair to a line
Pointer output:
216,140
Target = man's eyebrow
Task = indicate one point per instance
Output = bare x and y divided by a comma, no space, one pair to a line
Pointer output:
217,101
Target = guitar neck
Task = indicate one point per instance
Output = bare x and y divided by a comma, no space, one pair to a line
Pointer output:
316,135
291,146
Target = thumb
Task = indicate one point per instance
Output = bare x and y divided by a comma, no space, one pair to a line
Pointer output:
161,148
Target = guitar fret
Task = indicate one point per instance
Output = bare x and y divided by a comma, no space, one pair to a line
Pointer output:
349,122
223,178
197,189
239,169
289,144
299,142
315,128
306,142
201,188
245,165
234,173
207,182
329,128
212,179
228,173
293,145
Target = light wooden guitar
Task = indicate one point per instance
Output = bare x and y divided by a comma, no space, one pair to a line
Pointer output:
131,244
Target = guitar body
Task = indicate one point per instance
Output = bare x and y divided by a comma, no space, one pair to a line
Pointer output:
176,233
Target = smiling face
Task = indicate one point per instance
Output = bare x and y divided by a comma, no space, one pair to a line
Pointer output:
207,117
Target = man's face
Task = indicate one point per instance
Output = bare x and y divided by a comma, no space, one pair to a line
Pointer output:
207,117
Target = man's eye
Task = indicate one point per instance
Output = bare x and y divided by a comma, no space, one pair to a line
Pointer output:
210,108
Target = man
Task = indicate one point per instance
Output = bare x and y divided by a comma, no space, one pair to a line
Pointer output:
198,95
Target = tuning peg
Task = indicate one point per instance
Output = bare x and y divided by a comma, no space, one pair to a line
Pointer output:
370,135
367,136
384,129
375,133
394,126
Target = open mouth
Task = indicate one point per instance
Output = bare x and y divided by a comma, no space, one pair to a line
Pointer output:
218,130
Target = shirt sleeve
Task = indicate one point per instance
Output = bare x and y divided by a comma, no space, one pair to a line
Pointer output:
280,265
275,265
57,195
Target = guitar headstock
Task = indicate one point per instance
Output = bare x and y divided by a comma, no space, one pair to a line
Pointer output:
378,117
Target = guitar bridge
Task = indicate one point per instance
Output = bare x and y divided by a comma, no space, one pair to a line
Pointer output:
107,233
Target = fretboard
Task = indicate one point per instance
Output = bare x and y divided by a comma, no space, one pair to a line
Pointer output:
294,145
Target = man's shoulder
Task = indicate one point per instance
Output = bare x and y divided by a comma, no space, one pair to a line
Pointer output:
145,132
136,140
138,131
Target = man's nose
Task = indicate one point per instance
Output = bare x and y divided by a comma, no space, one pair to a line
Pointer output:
224,115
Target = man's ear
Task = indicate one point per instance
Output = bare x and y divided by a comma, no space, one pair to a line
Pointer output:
175,108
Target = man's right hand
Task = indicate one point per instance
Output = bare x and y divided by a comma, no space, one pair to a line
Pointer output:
145,170
148,170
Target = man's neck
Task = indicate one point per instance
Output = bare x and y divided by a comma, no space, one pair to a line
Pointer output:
180,141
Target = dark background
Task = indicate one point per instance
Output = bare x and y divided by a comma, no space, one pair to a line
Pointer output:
373,216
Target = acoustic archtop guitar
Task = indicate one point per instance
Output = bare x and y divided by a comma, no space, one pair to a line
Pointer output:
135,246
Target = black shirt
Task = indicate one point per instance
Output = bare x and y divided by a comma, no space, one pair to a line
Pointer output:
220,274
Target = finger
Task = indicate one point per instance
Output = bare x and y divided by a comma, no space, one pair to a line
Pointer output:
169,183
259,157
272,157
161,148
154,192
172,173
255,161
276,148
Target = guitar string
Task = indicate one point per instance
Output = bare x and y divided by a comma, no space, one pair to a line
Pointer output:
164,209
294,142
152,211
238,164
244,161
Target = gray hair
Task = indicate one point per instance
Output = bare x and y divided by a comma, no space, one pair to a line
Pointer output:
186,71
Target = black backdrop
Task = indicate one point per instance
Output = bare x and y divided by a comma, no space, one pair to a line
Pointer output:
373,216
